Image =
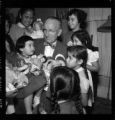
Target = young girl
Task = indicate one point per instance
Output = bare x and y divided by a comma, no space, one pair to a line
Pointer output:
36,31
24,20
77,59
82,38
65,91
24,62
76,19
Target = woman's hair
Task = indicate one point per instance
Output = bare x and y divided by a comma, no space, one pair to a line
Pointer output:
21,42
22,11
64,85
84,37
80,53
81,16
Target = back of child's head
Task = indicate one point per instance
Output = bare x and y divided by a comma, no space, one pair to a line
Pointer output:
64,85
83,37
21,42
79,52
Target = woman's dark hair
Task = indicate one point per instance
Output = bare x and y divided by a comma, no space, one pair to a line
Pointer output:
22,11
21,42
84,37
81,16
64,85
80,52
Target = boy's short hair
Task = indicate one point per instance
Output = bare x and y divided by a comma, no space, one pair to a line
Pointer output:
21,42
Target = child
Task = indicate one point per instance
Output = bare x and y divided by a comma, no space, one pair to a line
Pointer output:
82,38
77,59
24,62
36,32
65,91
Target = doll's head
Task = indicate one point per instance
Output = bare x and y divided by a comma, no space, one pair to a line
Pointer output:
38,25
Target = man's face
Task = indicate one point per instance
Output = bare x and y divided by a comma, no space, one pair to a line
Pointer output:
51,30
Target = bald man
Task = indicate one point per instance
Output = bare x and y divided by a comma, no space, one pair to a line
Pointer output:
50,46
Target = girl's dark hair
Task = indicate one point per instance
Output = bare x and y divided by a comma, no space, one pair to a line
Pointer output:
21,42
22,11
64,85
80,52
84,37
81,16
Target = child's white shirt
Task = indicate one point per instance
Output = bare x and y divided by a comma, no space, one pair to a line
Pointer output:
93,56
85,83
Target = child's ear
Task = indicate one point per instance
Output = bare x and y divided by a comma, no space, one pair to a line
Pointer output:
80,61
21,49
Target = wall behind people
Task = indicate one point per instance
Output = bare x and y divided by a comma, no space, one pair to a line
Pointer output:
96,17
43,13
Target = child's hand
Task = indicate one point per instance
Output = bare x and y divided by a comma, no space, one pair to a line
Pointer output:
23,68
70,43
37,62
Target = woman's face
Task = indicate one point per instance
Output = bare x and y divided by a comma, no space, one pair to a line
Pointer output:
73,22
27,18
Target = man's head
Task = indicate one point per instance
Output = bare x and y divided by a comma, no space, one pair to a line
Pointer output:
52,29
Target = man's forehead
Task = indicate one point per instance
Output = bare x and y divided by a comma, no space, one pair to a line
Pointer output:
52,22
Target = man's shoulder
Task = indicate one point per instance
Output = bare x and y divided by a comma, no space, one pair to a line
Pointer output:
61,45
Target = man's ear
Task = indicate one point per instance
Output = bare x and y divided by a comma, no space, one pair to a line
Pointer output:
59,32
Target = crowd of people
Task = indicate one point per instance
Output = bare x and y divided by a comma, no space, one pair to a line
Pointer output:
50,73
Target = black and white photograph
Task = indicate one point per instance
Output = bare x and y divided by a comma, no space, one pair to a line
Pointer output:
57,60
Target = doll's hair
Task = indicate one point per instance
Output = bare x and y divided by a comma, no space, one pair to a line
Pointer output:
22,11
83,37
21,42
38,23
64,85
81,16
80,53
